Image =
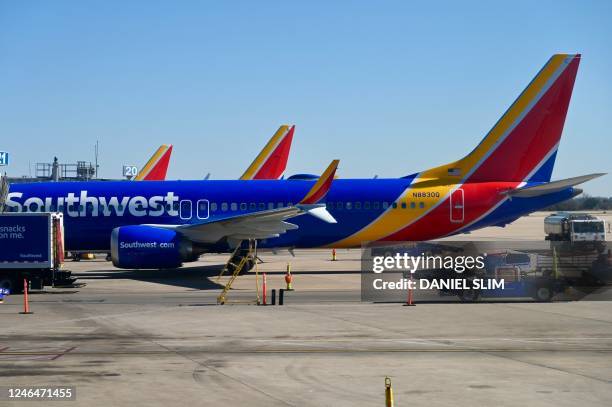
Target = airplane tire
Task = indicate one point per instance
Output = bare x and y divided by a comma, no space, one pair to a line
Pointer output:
248,266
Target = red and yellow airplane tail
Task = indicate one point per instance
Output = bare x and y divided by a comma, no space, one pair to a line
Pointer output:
523,143
272,160
156,168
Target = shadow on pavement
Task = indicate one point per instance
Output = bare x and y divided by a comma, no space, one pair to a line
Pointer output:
197,278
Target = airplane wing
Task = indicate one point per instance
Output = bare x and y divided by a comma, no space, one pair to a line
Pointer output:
262,224
550,187
155,169
257,225
272,160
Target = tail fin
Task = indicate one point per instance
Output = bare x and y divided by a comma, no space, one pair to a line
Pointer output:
156,168
272,160
523,143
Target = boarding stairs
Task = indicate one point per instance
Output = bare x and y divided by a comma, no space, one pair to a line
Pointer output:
241,259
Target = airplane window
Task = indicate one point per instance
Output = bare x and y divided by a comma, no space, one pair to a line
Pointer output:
270,205
366,205
243,206
394,205
224,206
213,206
279,205
385,205
252,206
234,206
403,205
290,204
412,205
349,205
262,206
339,205
421,204
376,205
357,205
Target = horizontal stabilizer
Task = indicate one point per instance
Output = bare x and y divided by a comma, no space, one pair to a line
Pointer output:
550,187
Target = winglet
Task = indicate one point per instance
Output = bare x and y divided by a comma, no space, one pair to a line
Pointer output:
320,189
155,169
271,162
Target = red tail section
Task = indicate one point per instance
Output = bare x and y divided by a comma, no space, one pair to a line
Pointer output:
157,167
272,160
527,135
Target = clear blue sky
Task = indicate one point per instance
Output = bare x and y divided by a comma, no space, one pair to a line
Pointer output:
390,88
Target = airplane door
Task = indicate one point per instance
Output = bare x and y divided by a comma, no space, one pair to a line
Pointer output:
457,209
185,209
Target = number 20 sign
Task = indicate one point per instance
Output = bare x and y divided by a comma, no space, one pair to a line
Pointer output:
130,171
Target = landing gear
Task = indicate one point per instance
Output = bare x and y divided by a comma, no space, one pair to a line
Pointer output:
241,256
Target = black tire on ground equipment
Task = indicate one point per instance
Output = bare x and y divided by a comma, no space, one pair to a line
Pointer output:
15,285
543,293
469,295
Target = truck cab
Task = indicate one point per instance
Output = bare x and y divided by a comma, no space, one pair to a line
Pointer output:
574,227
587,230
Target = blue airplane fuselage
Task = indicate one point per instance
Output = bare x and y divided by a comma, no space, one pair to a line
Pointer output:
93,209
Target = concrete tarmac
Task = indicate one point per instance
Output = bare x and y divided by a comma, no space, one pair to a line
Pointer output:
157,338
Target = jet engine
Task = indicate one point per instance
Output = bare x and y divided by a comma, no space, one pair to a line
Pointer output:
149,247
